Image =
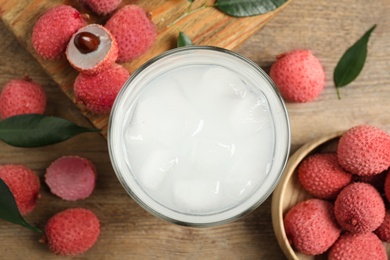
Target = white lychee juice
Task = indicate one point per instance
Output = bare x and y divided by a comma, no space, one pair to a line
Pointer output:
199,136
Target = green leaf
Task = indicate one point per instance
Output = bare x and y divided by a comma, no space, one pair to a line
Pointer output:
33,130
352,62
9,210
183,40
191,1
243,8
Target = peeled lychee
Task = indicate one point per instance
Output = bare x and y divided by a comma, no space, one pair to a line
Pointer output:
92,49
72,231
364,150
298,75
101,7
358,246
71,177
322,176
22,96
24,185
311,227
133,30
359,208
98,92
53,30
383,231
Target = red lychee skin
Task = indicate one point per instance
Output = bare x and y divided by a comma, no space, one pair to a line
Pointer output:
358,246
359,208
53,30
71,177
377,180
322,176
311,227
383,231
24,185
298,75
22,96
133,30
102,7
72,231
98,92
364,150
106,63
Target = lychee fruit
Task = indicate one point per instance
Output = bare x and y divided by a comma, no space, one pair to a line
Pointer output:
383,231
53,30
72,231
364,150
92,49
358,246
101,7
298,75
24,185
22,96
98,92
133,30
359,208
322,176
311,227
71,177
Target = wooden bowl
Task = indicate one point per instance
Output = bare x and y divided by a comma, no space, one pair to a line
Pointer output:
289,192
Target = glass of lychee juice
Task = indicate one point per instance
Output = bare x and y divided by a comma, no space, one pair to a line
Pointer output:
199,136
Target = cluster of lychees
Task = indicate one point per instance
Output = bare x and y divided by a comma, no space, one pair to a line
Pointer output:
95,50
351,187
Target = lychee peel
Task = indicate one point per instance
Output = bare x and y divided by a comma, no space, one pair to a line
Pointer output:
358,246
102,7
364,150
24,185
96,61
298,75
97,92
22,96
359,208
72,231
53,30
71,177
133,30
322,176
311,227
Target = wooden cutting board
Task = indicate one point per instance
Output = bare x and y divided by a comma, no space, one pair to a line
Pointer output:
205,27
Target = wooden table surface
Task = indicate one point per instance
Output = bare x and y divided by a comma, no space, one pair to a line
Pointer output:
327,27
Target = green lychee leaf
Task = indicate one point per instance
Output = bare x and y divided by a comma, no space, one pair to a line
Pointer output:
244,8
183,40
9,210
352,62
34,130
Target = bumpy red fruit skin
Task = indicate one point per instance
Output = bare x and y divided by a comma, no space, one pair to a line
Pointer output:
24,185
72,231
359,208
322,176
102,7
53,30
364,150
357,246
21,96
98,92
71,177
310,226
383,231
133,30
298,75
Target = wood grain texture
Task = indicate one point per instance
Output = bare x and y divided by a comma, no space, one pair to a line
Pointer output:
207,27
327,27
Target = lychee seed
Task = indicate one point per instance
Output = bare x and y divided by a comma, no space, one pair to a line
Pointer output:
86,42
